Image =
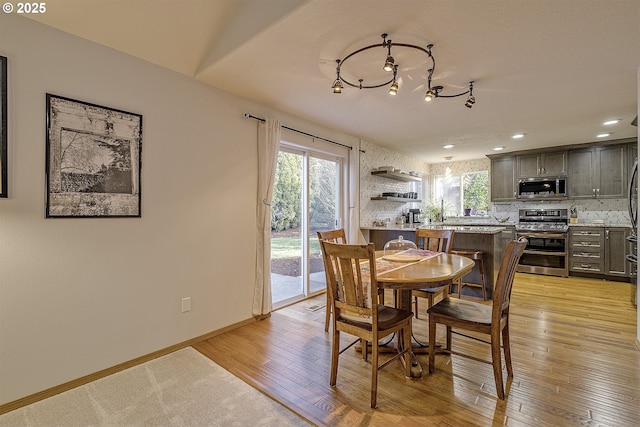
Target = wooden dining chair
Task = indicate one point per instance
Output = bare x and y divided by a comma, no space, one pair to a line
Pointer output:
336,236
488,319
355,312
437,241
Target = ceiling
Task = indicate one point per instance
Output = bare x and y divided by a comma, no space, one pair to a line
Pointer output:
553,70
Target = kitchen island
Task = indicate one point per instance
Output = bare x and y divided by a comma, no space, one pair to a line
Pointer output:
492,241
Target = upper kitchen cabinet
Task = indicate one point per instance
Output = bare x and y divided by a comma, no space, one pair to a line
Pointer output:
598,172
542,164
503,179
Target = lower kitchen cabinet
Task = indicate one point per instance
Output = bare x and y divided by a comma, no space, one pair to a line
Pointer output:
586,253
616,248
599,251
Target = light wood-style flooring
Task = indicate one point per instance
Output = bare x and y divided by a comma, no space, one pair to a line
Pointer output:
574,358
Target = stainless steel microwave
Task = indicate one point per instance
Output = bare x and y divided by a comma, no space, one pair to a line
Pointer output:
538,188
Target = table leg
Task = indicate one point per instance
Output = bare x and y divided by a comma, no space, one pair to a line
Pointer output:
403,302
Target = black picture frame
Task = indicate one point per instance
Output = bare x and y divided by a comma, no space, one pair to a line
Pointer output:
4,187
93,160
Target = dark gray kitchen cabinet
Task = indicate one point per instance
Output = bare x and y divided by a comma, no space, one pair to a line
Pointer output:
503,179
599,250
542,164
616,248
598,172
586,250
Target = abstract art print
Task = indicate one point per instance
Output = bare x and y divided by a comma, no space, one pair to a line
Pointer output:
93,160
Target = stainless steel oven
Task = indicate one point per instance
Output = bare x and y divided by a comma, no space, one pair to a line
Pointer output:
547,249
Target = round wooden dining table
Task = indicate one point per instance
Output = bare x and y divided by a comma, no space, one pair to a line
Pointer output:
430,272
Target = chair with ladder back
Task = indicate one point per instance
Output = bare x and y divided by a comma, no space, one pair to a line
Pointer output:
336,236
437,241
473,316
353,269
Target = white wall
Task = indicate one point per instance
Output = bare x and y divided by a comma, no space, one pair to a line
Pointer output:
81,295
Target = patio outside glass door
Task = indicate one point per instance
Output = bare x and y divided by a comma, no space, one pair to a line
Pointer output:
306,199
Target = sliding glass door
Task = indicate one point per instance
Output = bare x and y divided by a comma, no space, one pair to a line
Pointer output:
307,198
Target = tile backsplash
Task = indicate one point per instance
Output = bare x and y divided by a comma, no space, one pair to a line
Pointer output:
371,186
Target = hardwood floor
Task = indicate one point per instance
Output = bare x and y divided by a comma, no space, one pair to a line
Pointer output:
574,359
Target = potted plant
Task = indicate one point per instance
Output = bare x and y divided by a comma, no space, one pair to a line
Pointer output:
434,210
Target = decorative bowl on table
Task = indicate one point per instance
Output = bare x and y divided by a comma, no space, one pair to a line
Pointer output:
400,250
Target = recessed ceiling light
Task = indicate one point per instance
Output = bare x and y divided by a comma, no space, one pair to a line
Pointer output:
611,122
448,146
518,136
603,135
498,148
448,158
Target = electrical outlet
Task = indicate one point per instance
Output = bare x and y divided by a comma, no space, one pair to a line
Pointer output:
186,304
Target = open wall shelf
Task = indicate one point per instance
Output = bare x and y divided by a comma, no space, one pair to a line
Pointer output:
397,176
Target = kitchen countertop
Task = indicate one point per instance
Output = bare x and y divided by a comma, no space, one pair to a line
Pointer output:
457,228
599,224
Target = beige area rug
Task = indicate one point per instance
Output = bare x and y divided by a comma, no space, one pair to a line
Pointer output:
183,388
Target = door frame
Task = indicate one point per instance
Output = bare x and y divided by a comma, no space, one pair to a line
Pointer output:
341,156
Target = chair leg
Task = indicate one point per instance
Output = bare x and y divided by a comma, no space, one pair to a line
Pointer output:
406,335
335,352
483,280
429,300
374,373
415,302
365,348
448,339
459,288
497,363
432,344
506,344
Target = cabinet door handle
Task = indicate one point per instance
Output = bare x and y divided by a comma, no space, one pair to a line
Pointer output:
606,234
585,265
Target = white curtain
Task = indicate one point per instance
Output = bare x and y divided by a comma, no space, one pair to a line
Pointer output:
268,147
353,235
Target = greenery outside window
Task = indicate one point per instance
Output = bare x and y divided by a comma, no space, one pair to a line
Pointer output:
463,195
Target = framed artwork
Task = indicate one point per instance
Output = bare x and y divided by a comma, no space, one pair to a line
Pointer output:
93,160
3,127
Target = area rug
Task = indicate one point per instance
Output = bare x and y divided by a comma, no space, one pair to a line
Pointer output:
183,388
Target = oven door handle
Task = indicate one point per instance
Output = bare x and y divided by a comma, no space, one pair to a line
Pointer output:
543,235
546,253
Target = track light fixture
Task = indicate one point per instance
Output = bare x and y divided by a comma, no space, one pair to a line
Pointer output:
390,66
471,99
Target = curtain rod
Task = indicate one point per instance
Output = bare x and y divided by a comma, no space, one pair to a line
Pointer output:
250,116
